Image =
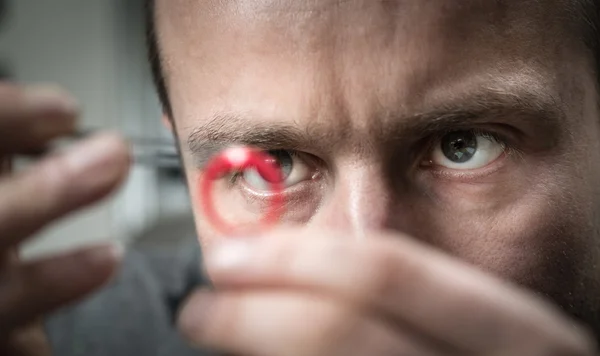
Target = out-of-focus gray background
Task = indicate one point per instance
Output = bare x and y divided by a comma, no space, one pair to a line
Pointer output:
96,50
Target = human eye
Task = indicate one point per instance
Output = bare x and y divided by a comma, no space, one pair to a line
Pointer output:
295,167
465,150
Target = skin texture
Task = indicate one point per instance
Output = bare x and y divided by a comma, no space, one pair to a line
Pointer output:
362,89
386,251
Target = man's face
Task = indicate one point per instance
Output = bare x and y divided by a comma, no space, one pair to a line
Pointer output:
469,125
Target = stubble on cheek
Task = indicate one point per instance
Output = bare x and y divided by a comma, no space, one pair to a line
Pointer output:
534,230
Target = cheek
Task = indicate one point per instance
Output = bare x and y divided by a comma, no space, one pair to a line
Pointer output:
246,211
533,232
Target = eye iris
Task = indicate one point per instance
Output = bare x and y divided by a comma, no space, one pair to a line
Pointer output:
459,147
284,161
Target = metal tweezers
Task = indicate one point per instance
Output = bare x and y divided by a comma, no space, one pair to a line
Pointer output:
159,153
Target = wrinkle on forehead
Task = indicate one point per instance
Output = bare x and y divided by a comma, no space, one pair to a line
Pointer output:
208,6
282,9
305,25
357,54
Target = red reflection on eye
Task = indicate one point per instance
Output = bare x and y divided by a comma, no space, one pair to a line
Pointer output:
240,159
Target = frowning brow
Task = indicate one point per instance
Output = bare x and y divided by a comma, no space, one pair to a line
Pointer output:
226,130
541,116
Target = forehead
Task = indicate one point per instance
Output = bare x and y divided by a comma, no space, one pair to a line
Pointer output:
401,53
408,14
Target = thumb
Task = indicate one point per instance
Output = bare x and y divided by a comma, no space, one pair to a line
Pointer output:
29,341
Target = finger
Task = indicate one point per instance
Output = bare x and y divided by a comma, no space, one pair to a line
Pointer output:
284,324
30,118
32,341
5,164
436,295
59,185
30,290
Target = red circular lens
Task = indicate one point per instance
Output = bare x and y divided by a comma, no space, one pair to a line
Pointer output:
241,159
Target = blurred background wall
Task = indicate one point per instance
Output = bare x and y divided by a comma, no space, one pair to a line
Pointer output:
95,49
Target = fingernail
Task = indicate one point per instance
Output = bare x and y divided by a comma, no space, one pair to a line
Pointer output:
99,152
112,253
50,99
230,255
117,251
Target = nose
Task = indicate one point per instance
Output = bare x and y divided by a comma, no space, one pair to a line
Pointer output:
360,200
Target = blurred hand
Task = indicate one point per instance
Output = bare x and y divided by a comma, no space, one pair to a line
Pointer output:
29,200
316,293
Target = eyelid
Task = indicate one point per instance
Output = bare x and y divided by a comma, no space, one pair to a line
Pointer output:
306,158
497,132
502,133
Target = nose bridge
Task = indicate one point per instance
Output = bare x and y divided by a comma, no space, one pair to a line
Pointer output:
360,201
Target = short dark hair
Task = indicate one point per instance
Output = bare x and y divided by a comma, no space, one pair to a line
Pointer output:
154,58
588,11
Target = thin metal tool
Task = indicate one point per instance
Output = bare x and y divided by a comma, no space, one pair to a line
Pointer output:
159,153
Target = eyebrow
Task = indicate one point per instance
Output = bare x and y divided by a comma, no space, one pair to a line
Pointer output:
541,115
531,112
226,130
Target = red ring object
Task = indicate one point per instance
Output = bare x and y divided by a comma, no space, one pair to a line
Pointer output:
240,159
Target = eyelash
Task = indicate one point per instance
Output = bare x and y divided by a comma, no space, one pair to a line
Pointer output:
437,137
423,151
430,142
236,175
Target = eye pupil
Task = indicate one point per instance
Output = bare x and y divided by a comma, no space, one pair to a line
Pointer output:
460,146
